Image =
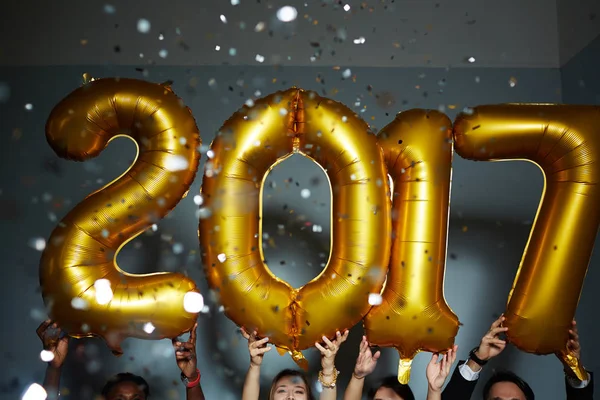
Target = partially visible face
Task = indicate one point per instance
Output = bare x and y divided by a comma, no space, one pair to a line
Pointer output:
505,391
126,391
384,393
290,388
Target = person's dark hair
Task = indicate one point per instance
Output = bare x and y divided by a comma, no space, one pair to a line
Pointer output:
391,382
292,373
507,376
126,377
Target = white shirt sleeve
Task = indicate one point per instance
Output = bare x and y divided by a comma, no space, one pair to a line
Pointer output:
468,373
576,383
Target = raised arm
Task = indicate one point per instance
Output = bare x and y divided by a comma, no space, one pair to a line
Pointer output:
257,350
56,342
437,373
328,374
365,365
463,381
187,361
576,389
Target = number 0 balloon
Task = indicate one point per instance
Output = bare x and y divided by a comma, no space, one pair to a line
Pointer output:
250,143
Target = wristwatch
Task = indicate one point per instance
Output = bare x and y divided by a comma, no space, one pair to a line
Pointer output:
474,357
190,383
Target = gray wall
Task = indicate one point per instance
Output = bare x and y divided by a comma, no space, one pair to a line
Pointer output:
496,202
579,76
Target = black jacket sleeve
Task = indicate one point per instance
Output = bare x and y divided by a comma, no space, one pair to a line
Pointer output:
461,389
587,393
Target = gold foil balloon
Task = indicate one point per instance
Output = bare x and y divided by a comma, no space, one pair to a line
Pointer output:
413,315
248,145
564,141
82,285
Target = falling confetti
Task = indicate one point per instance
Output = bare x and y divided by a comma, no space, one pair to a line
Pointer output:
177,248
163,53
512,81
232,51
176,163
109,9
375,299
29,106
104,293
260,58
223,18
217,48
79,304
347,73
193,302
287,14
259,27
203,213
149,328
46,355
305,193
143,25
35,392
38,243
346,7
471,59
360,40
222,257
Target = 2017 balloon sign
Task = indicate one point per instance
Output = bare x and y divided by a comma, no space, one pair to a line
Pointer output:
375,230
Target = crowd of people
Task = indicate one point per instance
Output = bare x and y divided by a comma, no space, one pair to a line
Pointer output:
292,384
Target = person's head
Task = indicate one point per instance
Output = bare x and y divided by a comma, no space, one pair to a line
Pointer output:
390,389
126,386
290,384
505,385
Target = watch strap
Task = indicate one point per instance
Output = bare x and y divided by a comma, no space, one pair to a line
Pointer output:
474,357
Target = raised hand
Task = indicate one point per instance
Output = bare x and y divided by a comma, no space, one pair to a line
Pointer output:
366,361
491,345
256,348
185,354
54,340
330,350
437,372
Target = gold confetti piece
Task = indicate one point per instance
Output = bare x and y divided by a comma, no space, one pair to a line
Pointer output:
315,22
465,228
452,106
396,45
274,80
83,42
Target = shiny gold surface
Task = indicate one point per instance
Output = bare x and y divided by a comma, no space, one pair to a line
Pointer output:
564,141
414,315
248,145
84,246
